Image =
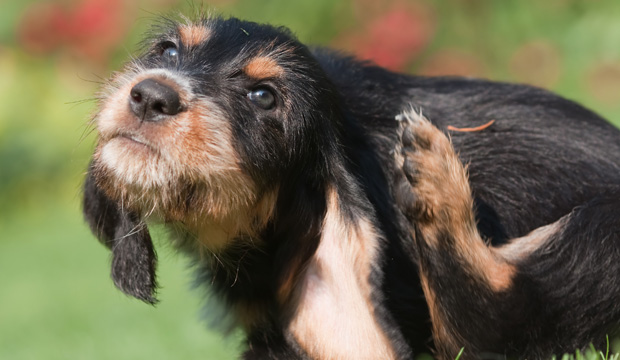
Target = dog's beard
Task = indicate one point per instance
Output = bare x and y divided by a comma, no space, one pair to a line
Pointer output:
154,187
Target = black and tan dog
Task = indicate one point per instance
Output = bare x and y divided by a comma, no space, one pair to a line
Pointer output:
336,222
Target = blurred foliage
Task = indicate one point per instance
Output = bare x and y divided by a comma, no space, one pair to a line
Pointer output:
52,54
56,298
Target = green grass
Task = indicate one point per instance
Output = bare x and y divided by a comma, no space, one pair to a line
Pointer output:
591,354
58,302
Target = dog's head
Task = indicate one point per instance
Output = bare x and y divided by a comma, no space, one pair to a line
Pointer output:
202,130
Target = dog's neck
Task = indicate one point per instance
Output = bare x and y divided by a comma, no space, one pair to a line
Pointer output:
212,236
311,271
323,299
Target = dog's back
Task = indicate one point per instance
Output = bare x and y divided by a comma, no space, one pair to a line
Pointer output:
541,156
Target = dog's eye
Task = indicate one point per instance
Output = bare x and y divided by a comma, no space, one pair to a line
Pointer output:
169,50
262,97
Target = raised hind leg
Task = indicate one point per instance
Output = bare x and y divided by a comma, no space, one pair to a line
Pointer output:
551,291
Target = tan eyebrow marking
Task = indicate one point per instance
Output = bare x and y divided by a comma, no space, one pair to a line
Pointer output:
263,67
192,35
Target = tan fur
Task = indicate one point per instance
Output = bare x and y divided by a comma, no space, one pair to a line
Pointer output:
335,317
263,67
446,205
442,335
184,169
193,35
520,248
215,235
443,212
286,290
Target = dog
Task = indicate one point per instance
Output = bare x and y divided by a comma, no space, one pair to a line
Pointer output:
335,221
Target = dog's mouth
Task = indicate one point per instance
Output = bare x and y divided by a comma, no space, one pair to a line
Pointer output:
135,141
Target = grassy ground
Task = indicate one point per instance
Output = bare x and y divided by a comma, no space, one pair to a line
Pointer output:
58,302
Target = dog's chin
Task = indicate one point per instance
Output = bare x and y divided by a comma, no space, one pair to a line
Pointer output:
212,213
135,175
144,179
134,162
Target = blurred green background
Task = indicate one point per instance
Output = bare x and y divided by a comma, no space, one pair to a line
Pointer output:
56,298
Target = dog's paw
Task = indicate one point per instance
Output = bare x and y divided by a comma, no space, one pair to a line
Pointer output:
432,186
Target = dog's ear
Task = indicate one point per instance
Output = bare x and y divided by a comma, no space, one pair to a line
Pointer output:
133,257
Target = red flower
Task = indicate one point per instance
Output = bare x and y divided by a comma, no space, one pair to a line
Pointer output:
90,29
394,38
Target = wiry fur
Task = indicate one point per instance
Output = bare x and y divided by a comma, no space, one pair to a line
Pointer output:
512,306
332,231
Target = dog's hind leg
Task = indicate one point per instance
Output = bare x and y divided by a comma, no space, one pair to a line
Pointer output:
554,290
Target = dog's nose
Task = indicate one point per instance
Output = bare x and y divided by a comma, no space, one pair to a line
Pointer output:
153,101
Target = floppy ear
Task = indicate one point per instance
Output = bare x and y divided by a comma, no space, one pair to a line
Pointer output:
133,256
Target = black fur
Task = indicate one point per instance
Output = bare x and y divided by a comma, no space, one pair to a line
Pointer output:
133,257
543,158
